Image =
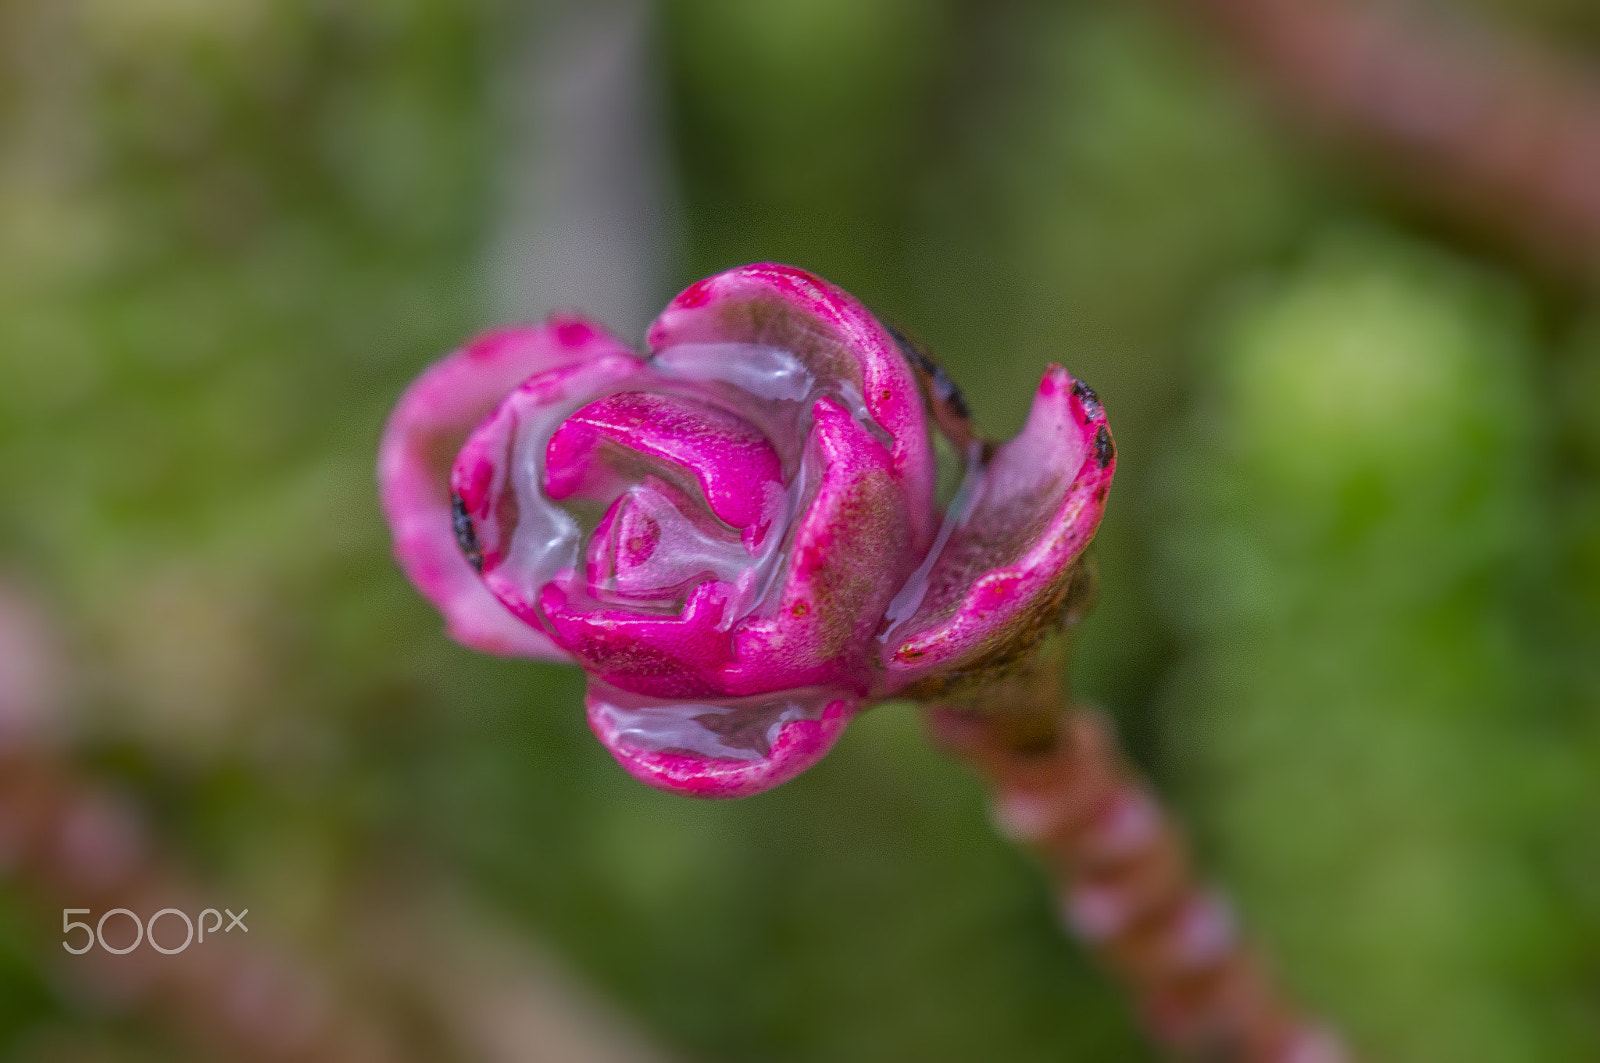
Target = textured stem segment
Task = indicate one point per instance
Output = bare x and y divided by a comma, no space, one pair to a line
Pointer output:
1127,887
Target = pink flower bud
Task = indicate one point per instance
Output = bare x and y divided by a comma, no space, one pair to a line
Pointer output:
735,535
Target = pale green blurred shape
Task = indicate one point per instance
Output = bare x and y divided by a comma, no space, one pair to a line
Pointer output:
1362,712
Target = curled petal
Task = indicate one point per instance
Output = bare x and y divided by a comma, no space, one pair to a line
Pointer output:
432,419
838,340
736,467
847,557
495,480
626,542
727,749
672,655
656,543
1003,576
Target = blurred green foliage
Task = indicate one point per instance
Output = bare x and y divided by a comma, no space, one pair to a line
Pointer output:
1367,714
1351,568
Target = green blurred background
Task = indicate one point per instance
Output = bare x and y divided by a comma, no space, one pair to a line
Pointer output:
1351,566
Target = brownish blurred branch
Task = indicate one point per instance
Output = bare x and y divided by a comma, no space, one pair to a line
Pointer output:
1497,131
425,982
75,843
1127,887
71,842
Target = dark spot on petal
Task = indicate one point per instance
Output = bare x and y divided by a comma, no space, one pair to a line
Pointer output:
1104,451
1086,395
1100,495
800,609
912,353
943,388
949,394
466,534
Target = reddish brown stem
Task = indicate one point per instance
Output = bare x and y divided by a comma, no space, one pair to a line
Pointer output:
1127,887
1500,132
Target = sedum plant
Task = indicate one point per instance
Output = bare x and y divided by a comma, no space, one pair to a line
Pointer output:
736,534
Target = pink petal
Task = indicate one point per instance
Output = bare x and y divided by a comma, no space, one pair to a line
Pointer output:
733,462
622,547
657,540
673,655
1006,568
423,433
731,749
848,556
839,341
492,477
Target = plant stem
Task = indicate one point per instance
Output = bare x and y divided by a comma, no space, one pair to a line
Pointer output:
1127,887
